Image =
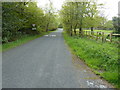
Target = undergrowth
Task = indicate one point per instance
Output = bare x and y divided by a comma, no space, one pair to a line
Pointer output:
97,55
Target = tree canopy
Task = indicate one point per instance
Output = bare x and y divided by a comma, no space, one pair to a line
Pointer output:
83,15
18,17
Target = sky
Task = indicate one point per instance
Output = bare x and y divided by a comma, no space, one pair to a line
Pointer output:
110,6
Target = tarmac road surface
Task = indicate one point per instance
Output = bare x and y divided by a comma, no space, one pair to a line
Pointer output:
46,62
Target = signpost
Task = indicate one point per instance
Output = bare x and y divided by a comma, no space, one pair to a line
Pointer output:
34,26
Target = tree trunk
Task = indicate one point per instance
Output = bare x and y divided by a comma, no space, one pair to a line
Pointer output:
91,30
47,27
80,31
75,29
71,30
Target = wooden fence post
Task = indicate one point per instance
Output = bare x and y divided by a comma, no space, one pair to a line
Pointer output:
86,33
93,34
102,36
97,36
82,33
89,33
110,37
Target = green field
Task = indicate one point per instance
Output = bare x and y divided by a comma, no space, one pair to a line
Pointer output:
106,31
102,57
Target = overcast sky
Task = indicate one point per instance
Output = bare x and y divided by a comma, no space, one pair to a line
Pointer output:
111,6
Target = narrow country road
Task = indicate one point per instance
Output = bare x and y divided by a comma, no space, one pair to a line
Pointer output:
46,62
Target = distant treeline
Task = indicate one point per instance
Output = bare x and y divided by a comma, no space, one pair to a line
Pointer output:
18,19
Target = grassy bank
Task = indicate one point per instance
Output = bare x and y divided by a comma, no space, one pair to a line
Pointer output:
23,40
102,57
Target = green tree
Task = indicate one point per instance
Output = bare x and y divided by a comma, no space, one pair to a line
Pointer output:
50,17
116,24
18,17
109,25
92,18
12,20
66,16
74,14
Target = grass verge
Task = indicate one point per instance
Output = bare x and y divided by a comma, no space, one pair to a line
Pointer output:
23,40
102,57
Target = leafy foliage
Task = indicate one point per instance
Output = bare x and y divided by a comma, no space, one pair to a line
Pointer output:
116,23
79,15
18,17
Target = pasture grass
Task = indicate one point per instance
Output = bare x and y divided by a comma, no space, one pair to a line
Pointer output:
106,31
97,55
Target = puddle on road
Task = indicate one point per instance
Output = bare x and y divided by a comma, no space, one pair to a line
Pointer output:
50,35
